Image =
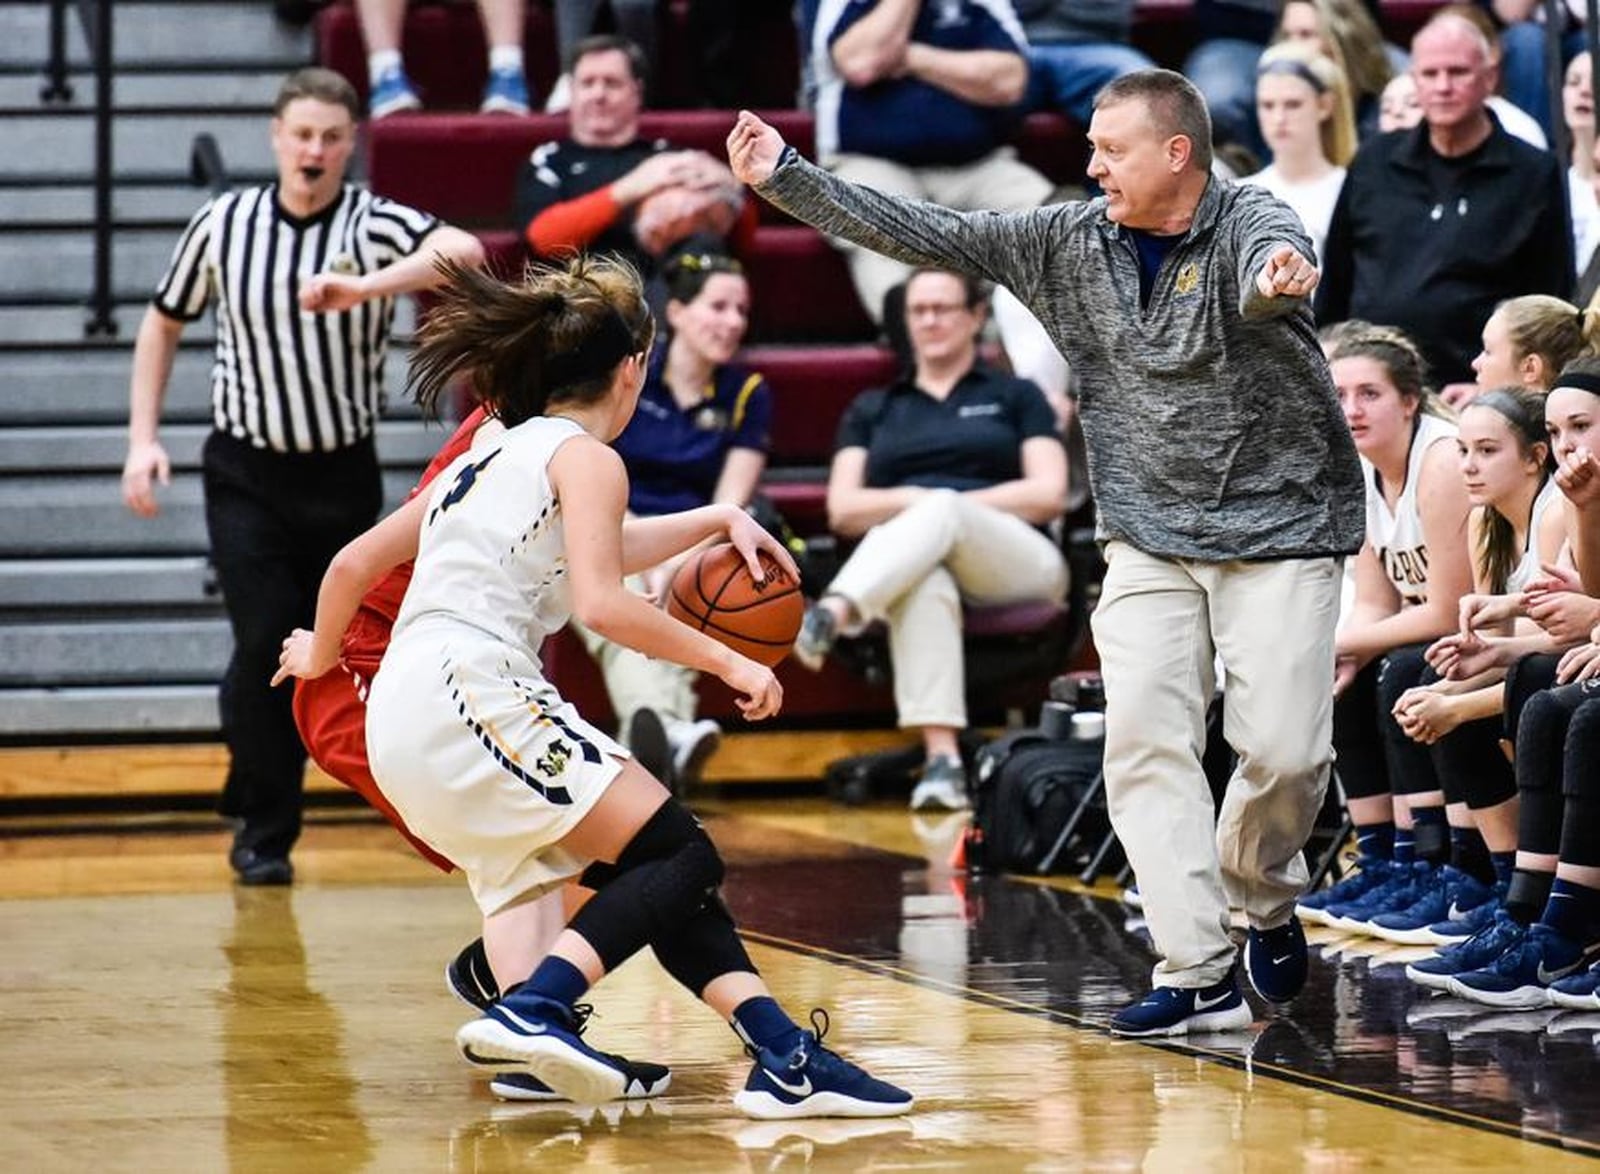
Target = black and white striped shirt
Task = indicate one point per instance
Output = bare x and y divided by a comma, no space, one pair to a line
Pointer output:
285,379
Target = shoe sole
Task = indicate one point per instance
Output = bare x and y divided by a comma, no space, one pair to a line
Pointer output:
1419,935
503,106
1434,982
1233,1019
1574,1002
940,804
1316,916
763,1106
1438,938
569,1072
516,1093
398,107
1523,998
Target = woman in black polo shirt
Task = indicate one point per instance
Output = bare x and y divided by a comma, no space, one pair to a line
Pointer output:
948,478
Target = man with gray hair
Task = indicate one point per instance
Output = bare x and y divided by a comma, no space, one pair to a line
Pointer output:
1437,225
1228,493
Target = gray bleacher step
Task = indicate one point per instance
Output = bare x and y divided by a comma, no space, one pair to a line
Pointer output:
198,31
89,385
114,652
252,90
83,514
109,583
123,710
61,145
170,204
403,444
59,262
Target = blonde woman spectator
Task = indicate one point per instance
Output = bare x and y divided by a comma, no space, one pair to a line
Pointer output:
1345,33
1398,107
1303,102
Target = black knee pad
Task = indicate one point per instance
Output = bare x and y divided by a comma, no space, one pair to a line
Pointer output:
704,948
1580,755
662,878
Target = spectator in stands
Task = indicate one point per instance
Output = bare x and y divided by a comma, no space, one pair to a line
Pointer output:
382,22
289,470
1398,108
604,189
1074,48
1522,38
1175,295
916,98
947,478
1518,123
1577,106
699,436
1230,35
1399,254
1345,33
1410,575
1303,101
634,20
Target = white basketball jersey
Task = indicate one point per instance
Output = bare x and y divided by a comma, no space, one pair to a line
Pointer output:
1528,568
492,552
1396,535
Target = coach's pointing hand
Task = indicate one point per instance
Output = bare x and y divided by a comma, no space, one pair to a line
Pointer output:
1288,273
753,149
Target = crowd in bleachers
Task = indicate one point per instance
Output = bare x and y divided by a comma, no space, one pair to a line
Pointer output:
1458,254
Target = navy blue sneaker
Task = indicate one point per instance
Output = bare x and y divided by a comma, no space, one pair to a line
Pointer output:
1482,948
544,1037
1452,893
1460,924
1275,960
1521,977
813,1081
1579,991
1371,871
505,93
1405,886
1171,1010
469,978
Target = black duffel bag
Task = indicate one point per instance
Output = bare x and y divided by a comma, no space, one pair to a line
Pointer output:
1038,804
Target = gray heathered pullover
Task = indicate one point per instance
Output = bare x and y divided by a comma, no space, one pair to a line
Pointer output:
1212,426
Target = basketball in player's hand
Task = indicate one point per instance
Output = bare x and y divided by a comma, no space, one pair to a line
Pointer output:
713,592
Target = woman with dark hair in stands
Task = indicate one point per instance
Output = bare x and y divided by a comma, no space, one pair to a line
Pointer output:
699,436
948,479
1409,577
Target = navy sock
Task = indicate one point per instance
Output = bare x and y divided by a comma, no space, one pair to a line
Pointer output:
1430,833
558,980
1375,841
1405,846
1573,911
1528,894
1470,854
1504,863
761,1022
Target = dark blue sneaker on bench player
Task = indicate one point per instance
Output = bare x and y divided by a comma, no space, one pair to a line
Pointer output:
814,1081
1171,1010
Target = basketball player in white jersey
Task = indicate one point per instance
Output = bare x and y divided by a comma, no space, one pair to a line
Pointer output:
481,756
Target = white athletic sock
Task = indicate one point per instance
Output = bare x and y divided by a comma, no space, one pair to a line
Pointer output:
381,63
503,58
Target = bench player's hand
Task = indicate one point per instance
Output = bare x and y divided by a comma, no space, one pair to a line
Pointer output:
299,658
1287,274
147,464
759,694
753,149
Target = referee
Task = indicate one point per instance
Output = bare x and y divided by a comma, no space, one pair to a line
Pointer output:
303,273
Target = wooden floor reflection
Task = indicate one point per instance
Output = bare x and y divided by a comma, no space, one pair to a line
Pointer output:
157,1018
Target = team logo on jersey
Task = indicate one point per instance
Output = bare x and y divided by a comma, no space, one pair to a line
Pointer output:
554,760
344,263
1188,279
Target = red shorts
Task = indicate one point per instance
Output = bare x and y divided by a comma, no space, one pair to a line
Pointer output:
332,718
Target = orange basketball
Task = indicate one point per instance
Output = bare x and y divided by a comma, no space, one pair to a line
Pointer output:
714,593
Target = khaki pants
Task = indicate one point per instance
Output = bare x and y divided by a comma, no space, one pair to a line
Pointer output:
1159,627
914,570
999,180
635,681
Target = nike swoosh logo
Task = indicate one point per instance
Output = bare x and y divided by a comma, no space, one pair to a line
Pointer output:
1546,977
1454,913
1201,1003
520,1023
1281,961
803,1089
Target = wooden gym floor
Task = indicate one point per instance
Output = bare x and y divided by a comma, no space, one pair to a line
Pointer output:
155,1017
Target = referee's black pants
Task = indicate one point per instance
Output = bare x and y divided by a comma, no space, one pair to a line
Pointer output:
275,521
